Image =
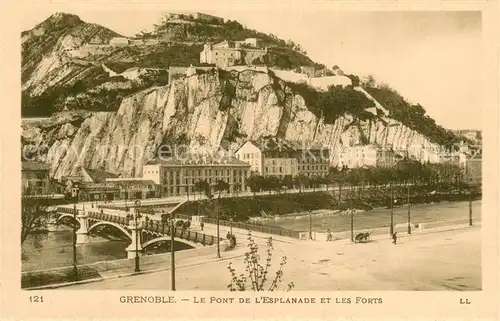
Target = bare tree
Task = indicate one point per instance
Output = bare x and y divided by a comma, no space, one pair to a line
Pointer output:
256,273
33,210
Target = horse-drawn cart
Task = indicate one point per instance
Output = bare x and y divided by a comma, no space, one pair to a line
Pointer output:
362,237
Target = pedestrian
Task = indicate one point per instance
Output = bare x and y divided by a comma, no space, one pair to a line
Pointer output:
201,225
394,237
228,236
328,235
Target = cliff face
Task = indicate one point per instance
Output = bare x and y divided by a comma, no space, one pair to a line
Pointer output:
207,112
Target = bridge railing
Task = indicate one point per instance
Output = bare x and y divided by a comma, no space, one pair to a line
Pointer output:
159,227
108,217
65,210
274,230
186,234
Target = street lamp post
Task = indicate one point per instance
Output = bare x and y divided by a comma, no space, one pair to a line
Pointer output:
351,211
408,199
218,238
172,251
470,207
310,225
126,197
136,216
392,211
75,268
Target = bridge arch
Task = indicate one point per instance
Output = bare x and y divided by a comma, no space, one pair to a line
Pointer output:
65,216
118,226
169,238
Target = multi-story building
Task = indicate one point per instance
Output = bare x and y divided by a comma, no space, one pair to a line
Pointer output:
365,155
356,156
270,157
450,158
35,178
178,176
230,53
313,159
208,18
386,157
429,155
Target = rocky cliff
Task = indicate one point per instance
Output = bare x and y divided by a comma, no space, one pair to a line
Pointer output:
208,112
45,61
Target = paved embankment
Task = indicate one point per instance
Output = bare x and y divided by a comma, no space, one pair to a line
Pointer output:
448,260
58,277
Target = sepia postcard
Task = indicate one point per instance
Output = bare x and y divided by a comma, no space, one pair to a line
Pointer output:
296,159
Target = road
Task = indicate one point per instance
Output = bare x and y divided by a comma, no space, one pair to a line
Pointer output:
448,260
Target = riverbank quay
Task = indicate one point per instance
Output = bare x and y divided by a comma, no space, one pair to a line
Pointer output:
65,276
443,261
102,271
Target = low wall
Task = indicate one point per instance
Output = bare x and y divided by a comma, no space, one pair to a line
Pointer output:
399,228
324,82
104,266
263,69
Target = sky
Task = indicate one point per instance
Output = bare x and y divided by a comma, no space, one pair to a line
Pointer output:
431,58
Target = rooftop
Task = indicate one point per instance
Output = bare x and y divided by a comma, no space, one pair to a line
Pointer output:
197,160
99,175
96,186
273,145
34,166
134,181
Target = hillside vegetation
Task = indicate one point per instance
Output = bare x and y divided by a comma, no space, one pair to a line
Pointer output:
287,53
413,115
42,40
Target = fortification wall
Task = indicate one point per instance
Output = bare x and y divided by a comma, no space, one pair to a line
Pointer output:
324,82
291,76
251,55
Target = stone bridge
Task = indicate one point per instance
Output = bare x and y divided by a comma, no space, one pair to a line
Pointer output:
145,233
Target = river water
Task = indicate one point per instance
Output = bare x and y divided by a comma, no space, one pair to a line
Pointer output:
380,217
55,249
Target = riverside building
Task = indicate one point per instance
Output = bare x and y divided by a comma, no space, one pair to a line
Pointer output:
178,175
35,178
365,155
270,157
313,159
